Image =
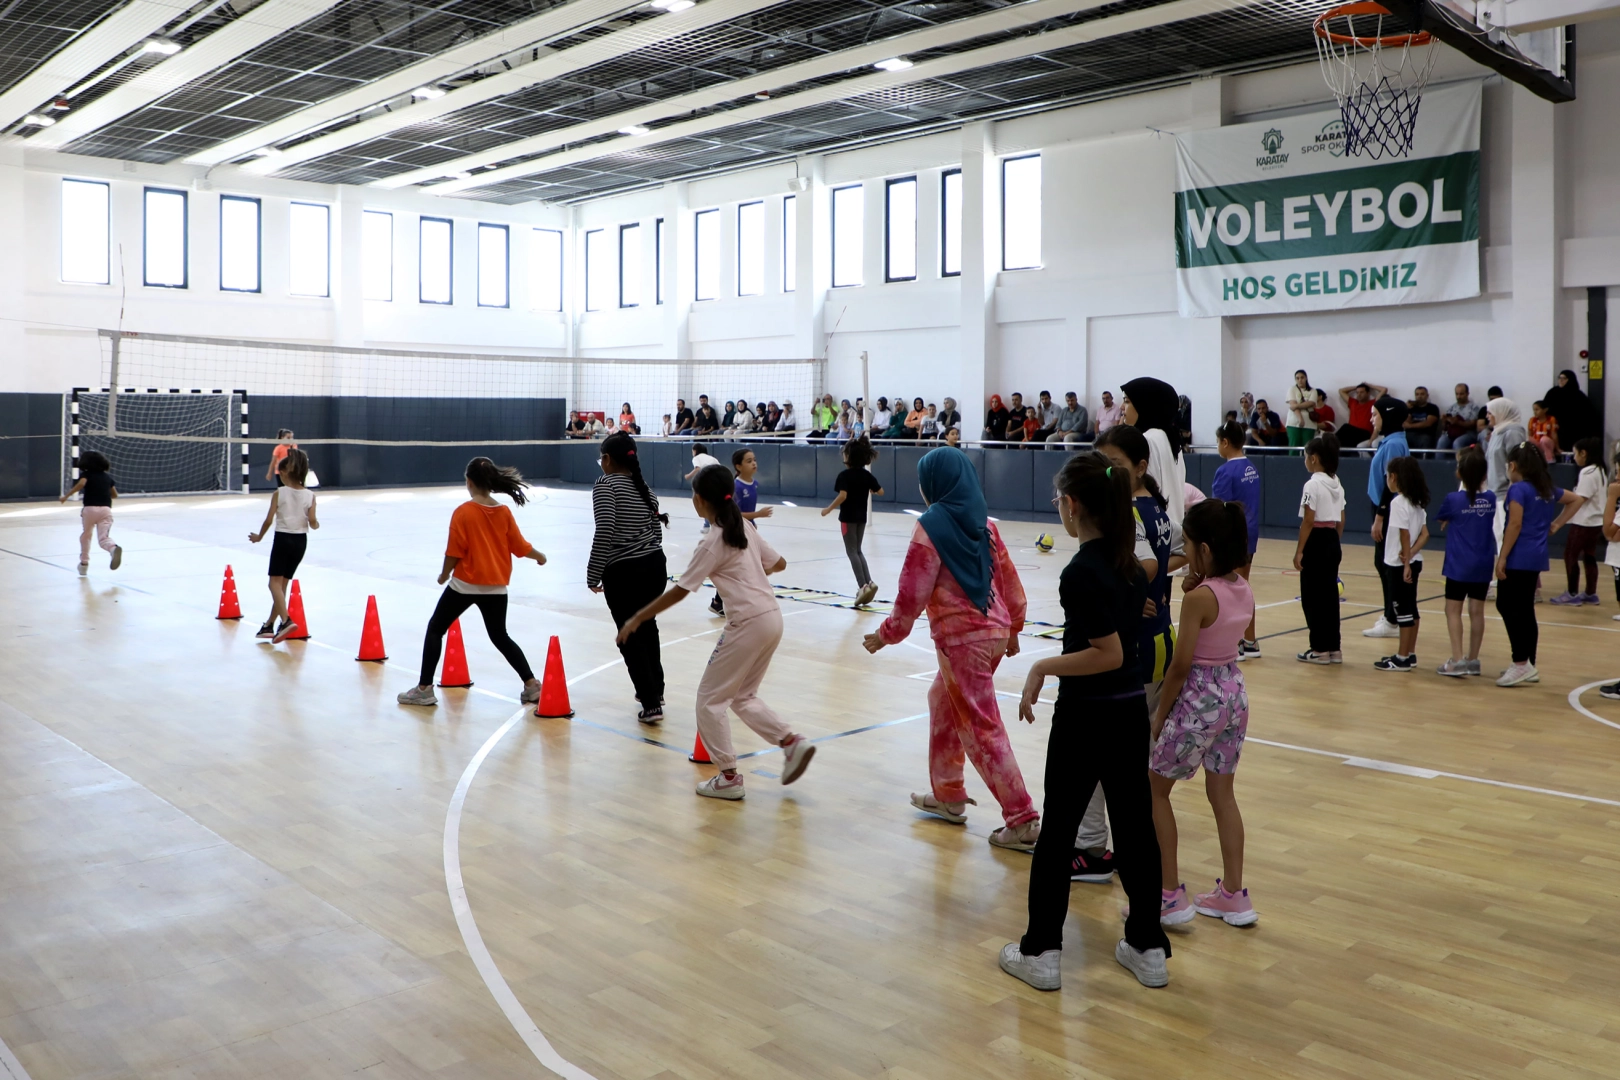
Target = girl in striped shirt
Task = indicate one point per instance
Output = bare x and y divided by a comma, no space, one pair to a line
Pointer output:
627,564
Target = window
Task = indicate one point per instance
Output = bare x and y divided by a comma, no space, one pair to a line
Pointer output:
545,269
751,249
163,242
900,230
436,276
790,242
1021,213
950,223
239,241
629,265
848,224
597,269
85,231
658,261
377,254
494,266
310,249
707,223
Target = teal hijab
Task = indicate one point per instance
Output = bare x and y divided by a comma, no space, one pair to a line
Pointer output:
957,520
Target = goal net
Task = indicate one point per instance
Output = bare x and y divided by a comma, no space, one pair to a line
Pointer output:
164,442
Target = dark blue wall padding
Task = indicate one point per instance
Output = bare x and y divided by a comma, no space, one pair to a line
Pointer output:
798,472
1008,479
905,460
31,458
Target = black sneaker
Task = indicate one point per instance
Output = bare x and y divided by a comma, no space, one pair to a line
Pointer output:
1610,690
1092,869
1248,650
717,605
1397,663
268,629
654,715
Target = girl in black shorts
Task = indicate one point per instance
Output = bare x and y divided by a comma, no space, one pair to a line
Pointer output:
292,509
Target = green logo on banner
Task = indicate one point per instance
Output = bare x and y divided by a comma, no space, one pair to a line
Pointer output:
1272,141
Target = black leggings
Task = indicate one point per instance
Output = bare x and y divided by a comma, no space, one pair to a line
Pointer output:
1319,588
1580,547
1105,740
452,605
630,585
853,532
1385,582
1516,603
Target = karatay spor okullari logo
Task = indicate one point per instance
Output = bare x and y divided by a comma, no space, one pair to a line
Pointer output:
1271,142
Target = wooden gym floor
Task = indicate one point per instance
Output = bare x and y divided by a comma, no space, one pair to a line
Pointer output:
224,859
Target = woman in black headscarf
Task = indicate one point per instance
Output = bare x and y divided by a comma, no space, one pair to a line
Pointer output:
1152,407
1568,403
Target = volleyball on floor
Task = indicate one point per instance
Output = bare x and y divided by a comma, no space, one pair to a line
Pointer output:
1044,544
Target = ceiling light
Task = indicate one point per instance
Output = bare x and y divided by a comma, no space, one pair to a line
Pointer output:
59,104
265,151
461,176
427,93
635,129
36,120
161,46
894,63
671,6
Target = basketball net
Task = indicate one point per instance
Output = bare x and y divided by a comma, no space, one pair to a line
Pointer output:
1376,77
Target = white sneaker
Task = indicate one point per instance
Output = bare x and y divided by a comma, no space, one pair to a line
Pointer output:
796,755
1518,673
117,558
84,568
1616,618
720,786
1147,966
1382,628
1043,972
867,592
418,695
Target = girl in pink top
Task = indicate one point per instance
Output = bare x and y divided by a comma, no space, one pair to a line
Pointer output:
1203,712
959,570
737,559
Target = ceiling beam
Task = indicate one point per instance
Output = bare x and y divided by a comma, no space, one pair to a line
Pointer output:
1176,11
230,41
550,25
107,40
1015,17
607,47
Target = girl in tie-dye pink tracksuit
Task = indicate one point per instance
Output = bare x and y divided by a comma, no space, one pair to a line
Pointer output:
964,716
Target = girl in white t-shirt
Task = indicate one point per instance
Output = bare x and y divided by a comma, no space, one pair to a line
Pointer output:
737,559
292,509
1318,553
1585,524
1406,534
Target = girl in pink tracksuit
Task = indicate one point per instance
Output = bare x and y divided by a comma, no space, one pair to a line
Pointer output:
736,558
958,569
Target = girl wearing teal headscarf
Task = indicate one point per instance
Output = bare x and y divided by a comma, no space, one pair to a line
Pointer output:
959,571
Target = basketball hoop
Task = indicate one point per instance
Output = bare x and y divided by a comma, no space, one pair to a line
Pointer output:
1378,93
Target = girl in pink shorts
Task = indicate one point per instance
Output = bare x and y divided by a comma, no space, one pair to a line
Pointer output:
1203,711
736,558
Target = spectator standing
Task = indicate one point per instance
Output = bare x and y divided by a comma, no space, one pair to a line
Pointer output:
1358,403
1422,424
684,420
1266,427
1459,427
1507,431
1110,414
1184,419
627,420
1071,422
822,417
995,420
1046,416
1301,400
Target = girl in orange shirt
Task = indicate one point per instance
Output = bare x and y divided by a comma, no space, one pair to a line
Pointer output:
484,537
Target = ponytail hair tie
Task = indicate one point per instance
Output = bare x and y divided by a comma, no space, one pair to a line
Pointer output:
631,453
1108,471
728,498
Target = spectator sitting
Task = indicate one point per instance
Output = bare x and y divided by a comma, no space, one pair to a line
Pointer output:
897,424
1266,427
1422,423
1071,422
949,416
705,421
1184,420
1017,424
995,420
772,417
1322,416
928,430
1231,418
1015,407
1245,409
1111,413
881,415
787,422
743,421
1544,430
1460,422
576,428
730,416
953,437
598,429
1359,403
914,419
843,429
684,420
1047,413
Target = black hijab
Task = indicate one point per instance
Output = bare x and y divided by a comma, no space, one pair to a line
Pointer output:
1572,409
1157,406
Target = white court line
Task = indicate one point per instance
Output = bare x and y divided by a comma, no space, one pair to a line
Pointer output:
1575,703
10,1067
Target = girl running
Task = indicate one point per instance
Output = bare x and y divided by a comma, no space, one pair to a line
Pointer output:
1467,516
1203,716
1407,534
1099,731
737,559
1532,504
1318,553
1585,524
958,569
96,482
627,564
292,508
484,537
853,486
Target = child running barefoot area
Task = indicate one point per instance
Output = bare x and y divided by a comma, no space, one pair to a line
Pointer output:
292,509
95,516
737,559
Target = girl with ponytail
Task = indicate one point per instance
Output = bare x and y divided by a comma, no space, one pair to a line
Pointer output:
484,537
737,559
1099,730
627,564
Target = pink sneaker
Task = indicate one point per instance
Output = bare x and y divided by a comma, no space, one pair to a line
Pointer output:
1174,907
1234,908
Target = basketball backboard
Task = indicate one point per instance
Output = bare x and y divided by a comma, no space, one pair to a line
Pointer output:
1531,42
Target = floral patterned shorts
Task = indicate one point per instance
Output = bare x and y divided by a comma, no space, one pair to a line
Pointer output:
1206,725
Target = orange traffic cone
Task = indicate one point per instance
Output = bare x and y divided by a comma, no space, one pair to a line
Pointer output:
295,612
455,673
229,606
371,642
700,753
554,686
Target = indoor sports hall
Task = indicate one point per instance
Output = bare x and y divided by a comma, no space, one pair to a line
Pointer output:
905,458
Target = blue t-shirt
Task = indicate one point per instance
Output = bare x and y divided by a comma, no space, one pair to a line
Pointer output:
1238,481
1470,539
1393,446
746,494
1530,549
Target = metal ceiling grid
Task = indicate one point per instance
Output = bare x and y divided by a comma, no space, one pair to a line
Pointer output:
31,31
350,45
